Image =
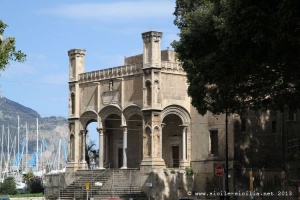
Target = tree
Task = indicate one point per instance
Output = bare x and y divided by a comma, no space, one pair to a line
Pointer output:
35,185
8,50
240,54
8,186
91,153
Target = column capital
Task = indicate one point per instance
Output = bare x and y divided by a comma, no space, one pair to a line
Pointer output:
184,127
84,131
163,125
100,130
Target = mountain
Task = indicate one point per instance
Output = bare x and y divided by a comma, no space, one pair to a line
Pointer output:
50,129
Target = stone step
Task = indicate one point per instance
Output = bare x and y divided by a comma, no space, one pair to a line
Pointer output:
115,183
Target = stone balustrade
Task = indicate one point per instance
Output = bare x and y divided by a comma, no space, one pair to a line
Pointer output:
111,73
126,70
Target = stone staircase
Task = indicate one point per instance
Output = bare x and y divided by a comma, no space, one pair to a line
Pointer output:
105,184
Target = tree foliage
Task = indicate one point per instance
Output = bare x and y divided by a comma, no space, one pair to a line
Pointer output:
35,185
240,54
91,153
8,50
8,187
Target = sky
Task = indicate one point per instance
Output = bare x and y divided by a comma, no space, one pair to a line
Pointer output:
108,30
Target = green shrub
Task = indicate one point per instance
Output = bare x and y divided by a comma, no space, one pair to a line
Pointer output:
189,171
8,187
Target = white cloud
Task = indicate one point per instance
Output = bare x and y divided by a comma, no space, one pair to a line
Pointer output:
122,10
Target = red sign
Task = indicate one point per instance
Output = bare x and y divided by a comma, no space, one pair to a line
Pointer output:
219,170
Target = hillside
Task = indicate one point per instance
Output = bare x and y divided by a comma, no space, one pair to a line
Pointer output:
50,129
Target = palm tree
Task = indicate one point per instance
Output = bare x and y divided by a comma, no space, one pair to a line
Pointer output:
90,153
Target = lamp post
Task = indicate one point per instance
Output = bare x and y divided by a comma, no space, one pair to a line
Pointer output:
226,156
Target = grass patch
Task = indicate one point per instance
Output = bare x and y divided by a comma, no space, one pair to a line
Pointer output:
27,195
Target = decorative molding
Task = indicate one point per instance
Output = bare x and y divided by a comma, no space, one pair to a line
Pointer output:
151,36
167,66
111,73
179,111
110,97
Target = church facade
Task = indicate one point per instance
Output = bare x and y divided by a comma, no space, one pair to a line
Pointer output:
143,113
145,120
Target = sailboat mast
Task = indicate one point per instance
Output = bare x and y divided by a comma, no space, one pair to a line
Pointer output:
18,162
14,152
8,135
1,153
26,161
58,160
37,145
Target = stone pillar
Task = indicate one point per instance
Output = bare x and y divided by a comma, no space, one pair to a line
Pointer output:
184,143
184,162
83,141
124,147
101,148
161,136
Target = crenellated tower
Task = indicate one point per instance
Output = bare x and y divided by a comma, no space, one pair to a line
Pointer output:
76,136
152,101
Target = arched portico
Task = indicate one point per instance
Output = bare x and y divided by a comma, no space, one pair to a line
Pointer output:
175,136
85,119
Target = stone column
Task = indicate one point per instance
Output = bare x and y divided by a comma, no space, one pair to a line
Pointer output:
184,162
124,147
161,136
101,148
83,141
184,143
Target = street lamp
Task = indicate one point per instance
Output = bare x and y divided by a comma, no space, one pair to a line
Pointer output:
226,156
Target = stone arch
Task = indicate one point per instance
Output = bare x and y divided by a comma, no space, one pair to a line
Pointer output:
179,111
111,117
88,117
175,137
131,110
134,124
109,110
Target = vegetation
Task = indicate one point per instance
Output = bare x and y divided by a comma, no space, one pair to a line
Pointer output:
8,187
189,171
240,54
91,153
34,184
8,50
27,195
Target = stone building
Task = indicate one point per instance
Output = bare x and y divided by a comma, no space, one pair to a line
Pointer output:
145,120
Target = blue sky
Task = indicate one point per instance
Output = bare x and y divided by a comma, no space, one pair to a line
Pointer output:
46,30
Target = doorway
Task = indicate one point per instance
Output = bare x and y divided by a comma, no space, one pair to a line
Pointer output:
175,156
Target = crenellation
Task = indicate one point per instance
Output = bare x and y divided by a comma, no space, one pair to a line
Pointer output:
115,72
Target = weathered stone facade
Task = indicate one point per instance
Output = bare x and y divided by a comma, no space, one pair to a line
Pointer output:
145,120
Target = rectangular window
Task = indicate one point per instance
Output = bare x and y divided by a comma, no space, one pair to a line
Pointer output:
274,126
214,148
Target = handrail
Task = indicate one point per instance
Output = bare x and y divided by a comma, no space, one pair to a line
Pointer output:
107,168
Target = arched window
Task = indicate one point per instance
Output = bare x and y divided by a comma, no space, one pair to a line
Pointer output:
72,147
72,103
149,93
